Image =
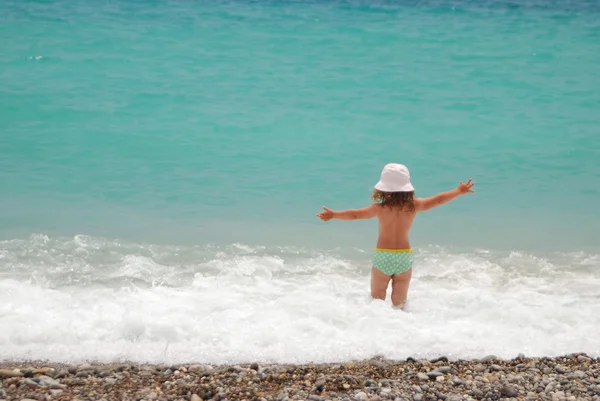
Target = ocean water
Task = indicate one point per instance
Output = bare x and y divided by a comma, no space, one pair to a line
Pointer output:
161,164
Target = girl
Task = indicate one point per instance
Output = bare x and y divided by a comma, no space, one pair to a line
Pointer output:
395,207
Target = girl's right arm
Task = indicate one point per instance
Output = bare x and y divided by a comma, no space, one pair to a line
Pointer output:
351,214
424,204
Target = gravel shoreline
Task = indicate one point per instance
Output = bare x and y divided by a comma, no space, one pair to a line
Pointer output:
569,378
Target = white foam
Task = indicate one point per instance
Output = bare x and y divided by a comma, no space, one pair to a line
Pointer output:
93,299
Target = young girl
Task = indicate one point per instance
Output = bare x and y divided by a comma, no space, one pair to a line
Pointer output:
395,207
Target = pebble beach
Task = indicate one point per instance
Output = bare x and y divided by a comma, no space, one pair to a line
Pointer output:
569,378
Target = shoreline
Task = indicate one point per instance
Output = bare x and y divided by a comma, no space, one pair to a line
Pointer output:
568,378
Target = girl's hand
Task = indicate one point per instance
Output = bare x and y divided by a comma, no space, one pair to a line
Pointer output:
466,188
326,215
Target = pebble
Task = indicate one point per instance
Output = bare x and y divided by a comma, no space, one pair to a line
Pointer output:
195,397
417,397
560,369
361,396
10,373
433,374
479,368
558,396
320,383
443,369
457,382
495,368
422,376
29,382
509,391
477,393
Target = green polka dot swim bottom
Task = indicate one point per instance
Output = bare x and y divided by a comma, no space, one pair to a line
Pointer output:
393,261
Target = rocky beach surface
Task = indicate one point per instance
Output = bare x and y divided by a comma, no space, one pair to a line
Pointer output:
569,378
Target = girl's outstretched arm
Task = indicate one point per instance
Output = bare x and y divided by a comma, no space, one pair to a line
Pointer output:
424,204
351,214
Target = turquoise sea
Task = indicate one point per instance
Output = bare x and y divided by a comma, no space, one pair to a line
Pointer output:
153,149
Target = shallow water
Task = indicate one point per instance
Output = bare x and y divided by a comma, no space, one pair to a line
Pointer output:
88,298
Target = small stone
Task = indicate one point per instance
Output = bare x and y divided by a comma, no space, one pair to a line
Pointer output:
195,397
195,368
443,369
282,396
558,396
10,373
579,374
583,358
85,366
43,371
433,374
422,376
152,396
561,370
440,379
479,368
31,383
509,391
320,383
361,396
55,393
314,397
457,382
488,358
440,359
477,393
496,368
110,381
417,397
346,386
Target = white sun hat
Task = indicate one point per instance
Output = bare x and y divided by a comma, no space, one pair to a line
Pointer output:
394,178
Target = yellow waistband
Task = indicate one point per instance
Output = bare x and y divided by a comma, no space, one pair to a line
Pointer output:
392,250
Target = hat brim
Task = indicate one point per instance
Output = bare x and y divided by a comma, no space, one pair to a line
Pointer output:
383,187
